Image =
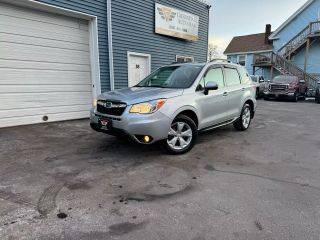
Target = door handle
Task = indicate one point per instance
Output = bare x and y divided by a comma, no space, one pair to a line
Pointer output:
225,94
242,89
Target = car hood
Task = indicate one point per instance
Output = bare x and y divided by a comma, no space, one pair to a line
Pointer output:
280,83
140,94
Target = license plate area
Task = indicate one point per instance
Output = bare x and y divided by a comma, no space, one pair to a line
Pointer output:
105,124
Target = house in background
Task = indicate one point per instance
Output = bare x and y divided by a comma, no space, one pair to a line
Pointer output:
294,47
241,50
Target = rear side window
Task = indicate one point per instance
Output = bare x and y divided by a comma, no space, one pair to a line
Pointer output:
232,77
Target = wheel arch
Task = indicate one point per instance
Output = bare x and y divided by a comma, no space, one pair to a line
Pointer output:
252,106
189,112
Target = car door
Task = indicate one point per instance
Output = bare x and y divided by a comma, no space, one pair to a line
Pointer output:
234,89
212,107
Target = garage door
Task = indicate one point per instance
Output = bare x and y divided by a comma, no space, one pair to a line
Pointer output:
44,67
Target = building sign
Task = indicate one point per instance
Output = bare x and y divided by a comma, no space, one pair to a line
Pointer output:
176,23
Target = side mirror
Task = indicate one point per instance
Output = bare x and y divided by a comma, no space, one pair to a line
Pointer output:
210,86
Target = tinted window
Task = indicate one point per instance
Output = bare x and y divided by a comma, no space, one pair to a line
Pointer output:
172,77
212,75
232,77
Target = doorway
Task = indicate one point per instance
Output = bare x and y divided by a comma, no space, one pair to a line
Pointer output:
139,67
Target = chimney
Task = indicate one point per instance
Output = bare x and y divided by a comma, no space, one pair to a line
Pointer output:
267,34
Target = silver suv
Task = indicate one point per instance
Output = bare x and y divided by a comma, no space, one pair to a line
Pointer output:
175,102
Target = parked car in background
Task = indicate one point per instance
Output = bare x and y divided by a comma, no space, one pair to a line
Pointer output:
259,82
177,101
286,86
318,93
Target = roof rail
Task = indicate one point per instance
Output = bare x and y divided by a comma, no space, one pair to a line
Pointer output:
182,62
220,59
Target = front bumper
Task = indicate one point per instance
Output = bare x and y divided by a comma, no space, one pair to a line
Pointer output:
278,94
155,125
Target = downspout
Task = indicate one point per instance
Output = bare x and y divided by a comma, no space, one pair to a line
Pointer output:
208,7
110,45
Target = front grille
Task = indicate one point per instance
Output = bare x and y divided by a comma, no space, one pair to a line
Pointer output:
111,107
278,88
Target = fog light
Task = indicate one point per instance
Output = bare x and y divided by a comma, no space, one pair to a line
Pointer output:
146,139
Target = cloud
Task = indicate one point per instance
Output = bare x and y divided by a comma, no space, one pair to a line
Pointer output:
221,42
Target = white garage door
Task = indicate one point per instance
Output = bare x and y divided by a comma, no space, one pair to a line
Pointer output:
44,67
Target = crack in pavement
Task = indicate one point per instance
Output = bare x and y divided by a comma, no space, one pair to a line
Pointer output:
267,178
15,198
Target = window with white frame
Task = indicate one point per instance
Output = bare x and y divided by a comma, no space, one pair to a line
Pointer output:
242,60
184,59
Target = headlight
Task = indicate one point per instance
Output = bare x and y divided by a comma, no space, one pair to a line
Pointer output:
147,107
94,103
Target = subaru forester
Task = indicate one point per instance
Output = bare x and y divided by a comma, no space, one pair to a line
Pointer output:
177,101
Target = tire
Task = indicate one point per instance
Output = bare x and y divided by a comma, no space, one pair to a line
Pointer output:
181,124
318,100
257,93
244,121
266,98
295,97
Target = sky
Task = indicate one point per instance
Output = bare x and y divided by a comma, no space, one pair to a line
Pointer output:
231,18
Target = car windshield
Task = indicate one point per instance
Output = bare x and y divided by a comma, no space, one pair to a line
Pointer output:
180,76
284,79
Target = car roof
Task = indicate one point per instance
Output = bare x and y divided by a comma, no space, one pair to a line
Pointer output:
211,63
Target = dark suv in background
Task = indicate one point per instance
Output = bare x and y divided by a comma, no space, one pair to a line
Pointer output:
286,86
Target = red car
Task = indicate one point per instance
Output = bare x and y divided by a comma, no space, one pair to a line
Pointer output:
286,86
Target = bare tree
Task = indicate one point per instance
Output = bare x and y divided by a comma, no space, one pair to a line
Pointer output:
213,51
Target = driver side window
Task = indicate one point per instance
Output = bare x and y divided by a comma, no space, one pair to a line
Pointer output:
212,75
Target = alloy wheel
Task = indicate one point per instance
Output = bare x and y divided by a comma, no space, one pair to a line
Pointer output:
246,117
180,136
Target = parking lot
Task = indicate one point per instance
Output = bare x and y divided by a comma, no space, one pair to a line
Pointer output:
65,181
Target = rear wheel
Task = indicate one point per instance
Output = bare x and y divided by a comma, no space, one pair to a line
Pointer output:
243,123
257,93
295,97
182,135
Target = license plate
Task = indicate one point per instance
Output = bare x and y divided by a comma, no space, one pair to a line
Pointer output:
105,124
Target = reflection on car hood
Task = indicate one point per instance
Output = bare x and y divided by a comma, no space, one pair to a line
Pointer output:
140,94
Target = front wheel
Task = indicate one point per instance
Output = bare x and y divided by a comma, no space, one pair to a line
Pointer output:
181,136
243,123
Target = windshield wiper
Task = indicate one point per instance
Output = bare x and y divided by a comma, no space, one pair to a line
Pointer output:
155,86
